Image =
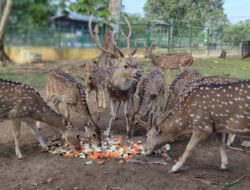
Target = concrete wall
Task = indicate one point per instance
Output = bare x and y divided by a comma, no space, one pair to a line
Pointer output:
20,55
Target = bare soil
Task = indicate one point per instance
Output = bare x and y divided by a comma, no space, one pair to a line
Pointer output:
45,171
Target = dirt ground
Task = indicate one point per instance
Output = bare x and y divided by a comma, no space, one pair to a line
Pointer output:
45,171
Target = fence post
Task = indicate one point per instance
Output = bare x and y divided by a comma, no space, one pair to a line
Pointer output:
148,34
190,38
169,37
208,34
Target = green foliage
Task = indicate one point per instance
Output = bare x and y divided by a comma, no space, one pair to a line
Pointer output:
238,32
98,8
32,13
183,13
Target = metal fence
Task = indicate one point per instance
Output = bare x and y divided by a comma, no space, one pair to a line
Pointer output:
188,39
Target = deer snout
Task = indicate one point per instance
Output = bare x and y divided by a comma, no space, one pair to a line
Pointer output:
137,75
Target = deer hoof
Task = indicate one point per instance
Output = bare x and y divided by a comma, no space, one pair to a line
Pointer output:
174,169
106,133
20,157
224,166
128,135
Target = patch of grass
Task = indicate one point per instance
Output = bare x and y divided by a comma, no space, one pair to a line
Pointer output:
32,75
234,66
16,73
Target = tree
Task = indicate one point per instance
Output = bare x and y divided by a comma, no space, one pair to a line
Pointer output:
5,6
195,13
108,10
24,14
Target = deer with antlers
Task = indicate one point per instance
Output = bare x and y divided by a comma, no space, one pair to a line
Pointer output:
21,103
206,109
123,78
169,62
64,89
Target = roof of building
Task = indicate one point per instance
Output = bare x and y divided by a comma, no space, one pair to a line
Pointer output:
75,16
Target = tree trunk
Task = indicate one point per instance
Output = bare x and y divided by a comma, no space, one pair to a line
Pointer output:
245,51
115,7
4,58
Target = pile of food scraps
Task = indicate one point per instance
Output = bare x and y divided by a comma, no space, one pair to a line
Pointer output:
112,147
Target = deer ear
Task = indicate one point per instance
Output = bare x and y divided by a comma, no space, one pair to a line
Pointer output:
134,52
157,130
151,119
120,53
83,65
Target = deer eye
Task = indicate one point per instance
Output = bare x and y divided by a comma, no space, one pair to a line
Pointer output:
77,136
125,66
94,135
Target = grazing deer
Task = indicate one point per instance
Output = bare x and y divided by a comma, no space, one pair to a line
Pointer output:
179,84
169,62
96,80
123,78
62,88
20,102
150,89
208,108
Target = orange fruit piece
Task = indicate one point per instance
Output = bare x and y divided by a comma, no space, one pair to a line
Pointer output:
121,162
69,155
100,162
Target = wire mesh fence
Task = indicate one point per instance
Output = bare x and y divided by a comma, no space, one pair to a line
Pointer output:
162,35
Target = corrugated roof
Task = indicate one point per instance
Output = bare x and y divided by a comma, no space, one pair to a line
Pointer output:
75,16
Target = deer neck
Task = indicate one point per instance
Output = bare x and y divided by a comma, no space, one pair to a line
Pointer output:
154,59
47,115
121,83
176,125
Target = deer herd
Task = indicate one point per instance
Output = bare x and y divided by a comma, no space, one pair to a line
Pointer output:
195,104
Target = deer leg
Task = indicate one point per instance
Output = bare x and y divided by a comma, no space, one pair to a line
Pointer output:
116,117
98,103
113,108
126,105
103,98
230,139
221,138
196,138
35,131
16,124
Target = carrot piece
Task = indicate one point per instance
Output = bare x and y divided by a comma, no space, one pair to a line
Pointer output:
129,156
69,155
96,155
121,162
100,162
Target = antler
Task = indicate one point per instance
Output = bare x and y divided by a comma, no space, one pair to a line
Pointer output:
127,37
95,38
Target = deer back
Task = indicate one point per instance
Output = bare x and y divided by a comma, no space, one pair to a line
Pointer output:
179,84
150,88
22,101
96,74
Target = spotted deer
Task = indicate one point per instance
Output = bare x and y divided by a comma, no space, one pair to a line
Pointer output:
122,80
96,80
21,103
150,90
64,89
188,80
179,84
169,62
208,108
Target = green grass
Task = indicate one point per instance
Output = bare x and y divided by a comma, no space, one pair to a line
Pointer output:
212,66
233,66
207,66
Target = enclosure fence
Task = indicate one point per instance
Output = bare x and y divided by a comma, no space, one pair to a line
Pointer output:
189,39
